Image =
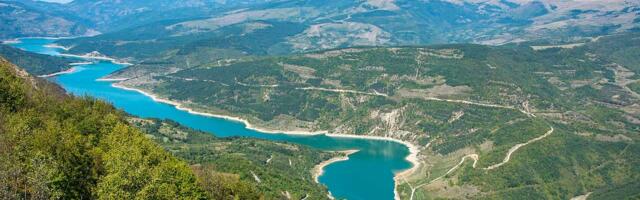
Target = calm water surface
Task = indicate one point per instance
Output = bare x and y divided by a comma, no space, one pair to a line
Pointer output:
367,175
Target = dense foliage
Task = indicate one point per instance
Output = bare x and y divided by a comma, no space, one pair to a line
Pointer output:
54,146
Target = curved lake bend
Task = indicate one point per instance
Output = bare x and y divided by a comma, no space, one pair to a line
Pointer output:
367,175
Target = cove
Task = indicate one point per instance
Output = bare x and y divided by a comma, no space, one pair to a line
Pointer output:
367,175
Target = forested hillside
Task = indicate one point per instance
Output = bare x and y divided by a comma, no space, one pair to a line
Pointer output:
57,146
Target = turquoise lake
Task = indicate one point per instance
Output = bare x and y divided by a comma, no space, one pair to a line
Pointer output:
367,175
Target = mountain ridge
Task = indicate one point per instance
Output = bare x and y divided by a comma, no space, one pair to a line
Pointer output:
23,20
305,26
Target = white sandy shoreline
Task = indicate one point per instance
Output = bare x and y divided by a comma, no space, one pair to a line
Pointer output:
50,38
57,46
104,58
318,170
80,63
112,79
413,150
180,106
68,71
18,41
12,41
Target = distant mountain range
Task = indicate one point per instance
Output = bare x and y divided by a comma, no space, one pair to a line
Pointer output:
199,31
324,24
332,24
23,20
108,15
75,18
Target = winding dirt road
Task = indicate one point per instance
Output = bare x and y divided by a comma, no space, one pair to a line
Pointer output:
518,146
476,157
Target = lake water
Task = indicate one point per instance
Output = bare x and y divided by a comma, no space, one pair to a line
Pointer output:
367,175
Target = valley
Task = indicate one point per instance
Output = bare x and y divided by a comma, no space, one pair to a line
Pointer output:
468,125
383,156
319,99
451,114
